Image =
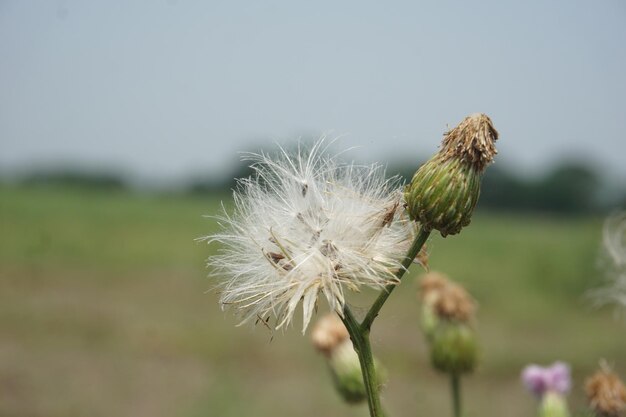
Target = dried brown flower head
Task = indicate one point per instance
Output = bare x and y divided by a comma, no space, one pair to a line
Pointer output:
449,300
473,141
432,282
328,333
606,394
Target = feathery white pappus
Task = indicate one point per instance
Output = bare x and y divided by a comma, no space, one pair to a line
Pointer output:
613,261
305,224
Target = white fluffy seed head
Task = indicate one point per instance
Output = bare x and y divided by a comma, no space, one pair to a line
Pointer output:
305,224
613,261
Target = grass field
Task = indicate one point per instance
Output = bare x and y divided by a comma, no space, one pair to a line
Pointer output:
104,311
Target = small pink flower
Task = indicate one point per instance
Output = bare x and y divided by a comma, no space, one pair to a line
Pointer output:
555,378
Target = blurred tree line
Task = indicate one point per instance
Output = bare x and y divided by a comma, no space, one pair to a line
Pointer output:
570,188
567,188
75,178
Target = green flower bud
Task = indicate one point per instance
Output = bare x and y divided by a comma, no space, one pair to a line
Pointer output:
444,191
454,348
443,194
347,376
553,404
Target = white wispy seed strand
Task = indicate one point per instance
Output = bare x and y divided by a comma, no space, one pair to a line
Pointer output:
613,261
304,224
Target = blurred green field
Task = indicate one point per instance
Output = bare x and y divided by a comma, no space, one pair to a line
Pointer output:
105,311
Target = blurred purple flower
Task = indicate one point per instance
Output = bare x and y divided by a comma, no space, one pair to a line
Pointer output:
554,378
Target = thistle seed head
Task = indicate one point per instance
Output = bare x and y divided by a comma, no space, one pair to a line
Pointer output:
304,224
613,262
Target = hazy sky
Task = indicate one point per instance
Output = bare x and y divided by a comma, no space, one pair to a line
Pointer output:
165,89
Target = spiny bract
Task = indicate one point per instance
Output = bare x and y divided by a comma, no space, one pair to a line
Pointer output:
305,224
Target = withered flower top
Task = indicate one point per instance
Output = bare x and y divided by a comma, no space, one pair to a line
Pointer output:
449,300
328,333
473,141
606,394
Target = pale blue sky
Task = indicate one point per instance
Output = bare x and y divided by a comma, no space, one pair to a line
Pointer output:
166,89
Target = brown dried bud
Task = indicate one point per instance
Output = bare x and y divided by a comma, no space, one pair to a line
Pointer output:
449,300
431,283
455,304
606,394
328,333
472,141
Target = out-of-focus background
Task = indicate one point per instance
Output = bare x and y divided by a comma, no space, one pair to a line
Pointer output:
120,124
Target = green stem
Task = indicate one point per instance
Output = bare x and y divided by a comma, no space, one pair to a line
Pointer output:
455,383
419,241
361,341
360,332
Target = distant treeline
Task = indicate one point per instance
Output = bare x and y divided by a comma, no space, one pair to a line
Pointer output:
74,177
568,188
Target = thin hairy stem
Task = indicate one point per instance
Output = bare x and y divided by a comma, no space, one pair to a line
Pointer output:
455,385
361,341
419,241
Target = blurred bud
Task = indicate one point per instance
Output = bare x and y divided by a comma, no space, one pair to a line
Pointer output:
431,287
443,299
454,349
328,333
542,380
553,404
330,337
447,311
444,191
606,393
429,321
347,376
